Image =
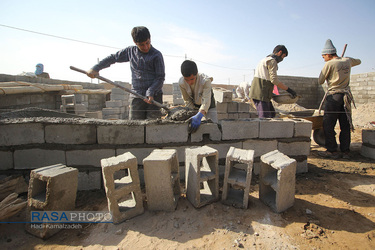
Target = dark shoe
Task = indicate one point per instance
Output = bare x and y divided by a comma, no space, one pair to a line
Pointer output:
330,155
346,156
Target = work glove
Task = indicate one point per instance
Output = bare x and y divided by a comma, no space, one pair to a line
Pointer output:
292,92
92,73
195,122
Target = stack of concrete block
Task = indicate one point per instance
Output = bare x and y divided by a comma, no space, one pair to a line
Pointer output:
118,106
368,143
122,186
277,180
177,96
229,109
82,103
201,175
237,178
74,103
162,179
51,188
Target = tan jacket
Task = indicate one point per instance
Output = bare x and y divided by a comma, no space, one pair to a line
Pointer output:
265,78
197,94
337,73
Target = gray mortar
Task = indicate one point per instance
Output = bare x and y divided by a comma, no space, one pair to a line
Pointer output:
38,115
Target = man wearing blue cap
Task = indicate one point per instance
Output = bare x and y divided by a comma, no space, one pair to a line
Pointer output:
336,72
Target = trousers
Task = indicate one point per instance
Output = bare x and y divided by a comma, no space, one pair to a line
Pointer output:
333,111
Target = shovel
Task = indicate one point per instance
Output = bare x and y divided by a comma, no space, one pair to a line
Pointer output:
123,88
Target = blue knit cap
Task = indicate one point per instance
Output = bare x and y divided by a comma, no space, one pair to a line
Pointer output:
329,48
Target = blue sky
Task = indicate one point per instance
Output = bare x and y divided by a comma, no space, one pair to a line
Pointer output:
227,39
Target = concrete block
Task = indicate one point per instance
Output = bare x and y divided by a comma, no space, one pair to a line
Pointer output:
89,180
51,188
90,158
162,179
368,136
210,129
70,134
232,107
277,180
222,95
276,128
6,160
94,114
221,107
202,175
237,178
243,107
222,116
243,115
368,151
36,158
302,128
140,153
239,129
233,116
122,186
166,133
21,134
260,147
294,148
114,103
180,155
223,148
120,134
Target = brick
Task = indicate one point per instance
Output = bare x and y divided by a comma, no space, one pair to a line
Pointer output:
51,188
302,128
210,129
6,161
368,136
87,157
277,181
36,158
21,134
260,147
89,180
122,186
162,179
276,128
239,129
368,151
121,134
70,134
222,95
237,179
294,148
201,170
140,153
166,133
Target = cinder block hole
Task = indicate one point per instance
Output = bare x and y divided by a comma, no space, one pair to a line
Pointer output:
39,189
127,202
269,196
239,165
269,176
208,164
207,189
122,178
235,195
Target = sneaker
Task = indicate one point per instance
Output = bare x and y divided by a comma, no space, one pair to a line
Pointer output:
328,154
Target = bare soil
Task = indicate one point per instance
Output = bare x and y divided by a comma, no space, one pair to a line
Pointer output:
334,209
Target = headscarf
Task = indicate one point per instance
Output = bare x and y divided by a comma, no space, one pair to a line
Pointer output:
39,69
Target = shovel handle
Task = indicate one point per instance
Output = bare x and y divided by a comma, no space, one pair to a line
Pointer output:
121,87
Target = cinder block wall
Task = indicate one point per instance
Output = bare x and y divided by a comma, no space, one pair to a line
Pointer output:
26,145
363,87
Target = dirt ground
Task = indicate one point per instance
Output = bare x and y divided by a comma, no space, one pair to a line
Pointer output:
334,209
